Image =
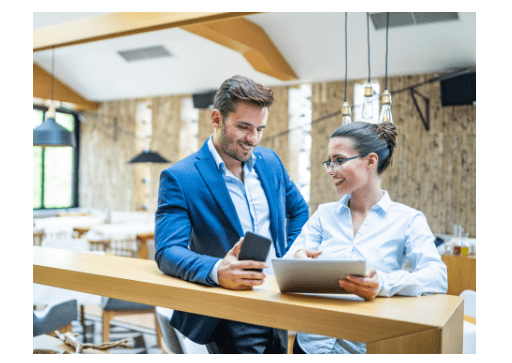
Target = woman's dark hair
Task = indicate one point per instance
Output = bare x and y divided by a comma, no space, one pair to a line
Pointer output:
241,89
368,138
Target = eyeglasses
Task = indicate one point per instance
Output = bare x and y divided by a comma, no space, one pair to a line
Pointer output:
335,165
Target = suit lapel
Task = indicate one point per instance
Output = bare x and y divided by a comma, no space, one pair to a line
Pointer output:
217,186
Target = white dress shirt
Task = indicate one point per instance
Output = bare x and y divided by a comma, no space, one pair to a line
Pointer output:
250,202
390,234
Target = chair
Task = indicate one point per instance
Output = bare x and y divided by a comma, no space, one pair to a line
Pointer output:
112,307
46,295
38,236
469,330
126,247
56,316
173,342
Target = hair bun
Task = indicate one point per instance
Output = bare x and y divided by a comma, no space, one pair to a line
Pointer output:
388,132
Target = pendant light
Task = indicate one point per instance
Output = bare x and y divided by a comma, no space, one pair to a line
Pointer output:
345,107
50,133
368,90
385,112
148,156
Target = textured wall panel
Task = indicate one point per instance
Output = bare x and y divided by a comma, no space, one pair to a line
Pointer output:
433,171
106,179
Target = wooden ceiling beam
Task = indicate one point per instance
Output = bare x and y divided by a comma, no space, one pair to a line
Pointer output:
61,92
114,25
251,41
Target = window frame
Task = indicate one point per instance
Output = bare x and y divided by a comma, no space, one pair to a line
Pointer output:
76,163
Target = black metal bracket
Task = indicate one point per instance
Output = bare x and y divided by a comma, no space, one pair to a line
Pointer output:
425,119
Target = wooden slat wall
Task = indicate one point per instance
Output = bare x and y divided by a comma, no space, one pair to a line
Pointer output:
433,171
106,179
277,123
205,126
166,139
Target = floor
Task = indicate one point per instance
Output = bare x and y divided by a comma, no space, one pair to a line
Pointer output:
143,320
139,327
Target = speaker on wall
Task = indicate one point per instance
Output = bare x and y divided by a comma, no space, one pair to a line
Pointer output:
460,90
203,100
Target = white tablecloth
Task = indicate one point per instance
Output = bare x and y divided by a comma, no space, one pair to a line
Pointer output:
119,230
65,225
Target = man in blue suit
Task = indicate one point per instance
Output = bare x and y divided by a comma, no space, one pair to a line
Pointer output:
206,203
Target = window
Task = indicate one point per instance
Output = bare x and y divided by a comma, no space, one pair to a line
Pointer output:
55,169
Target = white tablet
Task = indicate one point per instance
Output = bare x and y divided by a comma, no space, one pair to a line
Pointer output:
314,276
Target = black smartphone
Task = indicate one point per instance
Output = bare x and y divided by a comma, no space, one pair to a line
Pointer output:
254,247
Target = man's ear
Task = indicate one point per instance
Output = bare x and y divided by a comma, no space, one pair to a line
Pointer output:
216,118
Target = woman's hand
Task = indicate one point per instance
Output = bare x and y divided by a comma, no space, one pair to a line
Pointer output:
307,253
366,287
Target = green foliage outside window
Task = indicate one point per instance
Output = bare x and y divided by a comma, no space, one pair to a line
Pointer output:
58,169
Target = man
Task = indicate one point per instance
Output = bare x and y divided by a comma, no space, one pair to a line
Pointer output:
206,203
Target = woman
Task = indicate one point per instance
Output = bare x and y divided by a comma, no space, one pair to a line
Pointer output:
367,224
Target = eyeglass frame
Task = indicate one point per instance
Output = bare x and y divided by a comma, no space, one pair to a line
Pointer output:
328,163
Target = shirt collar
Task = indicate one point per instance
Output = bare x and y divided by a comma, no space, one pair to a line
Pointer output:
384,203
220,163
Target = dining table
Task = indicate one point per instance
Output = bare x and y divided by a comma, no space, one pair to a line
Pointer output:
398,324
141,232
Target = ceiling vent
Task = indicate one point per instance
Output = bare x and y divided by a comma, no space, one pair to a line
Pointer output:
403,19
144,53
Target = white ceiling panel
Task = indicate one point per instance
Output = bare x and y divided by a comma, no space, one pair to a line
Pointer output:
312,43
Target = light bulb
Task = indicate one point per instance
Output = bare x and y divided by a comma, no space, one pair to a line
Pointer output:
345,114
385,112
368,104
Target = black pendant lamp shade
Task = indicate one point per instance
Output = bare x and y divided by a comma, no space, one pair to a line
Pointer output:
148,157
50,133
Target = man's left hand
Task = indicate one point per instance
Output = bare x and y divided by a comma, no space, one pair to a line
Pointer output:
366,287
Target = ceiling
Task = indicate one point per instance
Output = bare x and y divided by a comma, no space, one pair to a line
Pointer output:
312,43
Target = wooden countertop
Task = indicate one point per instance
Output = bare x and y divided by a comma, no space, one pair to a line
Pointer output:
397,324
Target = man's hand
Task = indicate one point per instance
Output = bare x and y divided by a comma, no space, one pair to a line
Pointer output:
366,287
307,253
235,275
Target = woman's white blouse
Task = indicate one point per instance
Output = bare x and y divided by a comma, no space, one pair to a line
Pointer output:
391,233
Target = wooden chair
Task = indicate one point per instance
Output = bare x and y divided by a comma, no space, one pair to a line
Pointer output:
38,237
112,307
99,245
126,247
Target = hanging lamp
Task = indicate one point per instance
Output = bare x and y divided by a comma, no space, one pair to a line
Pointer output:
385,112
148,156
50,133
368,89
345,107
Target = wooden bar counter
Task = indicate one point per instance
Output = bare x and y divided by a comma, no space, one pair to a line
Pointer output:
427,324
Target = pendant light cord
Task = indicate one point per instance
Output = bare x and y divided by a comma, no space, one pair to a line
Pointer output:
53,54
346,57
368,33
387,26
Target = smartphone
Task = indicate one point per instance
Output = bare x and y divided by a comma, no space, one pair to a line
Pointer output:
255,247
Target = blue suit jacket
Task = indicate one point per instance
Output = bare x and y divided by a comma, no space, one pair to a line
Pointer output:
197,224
